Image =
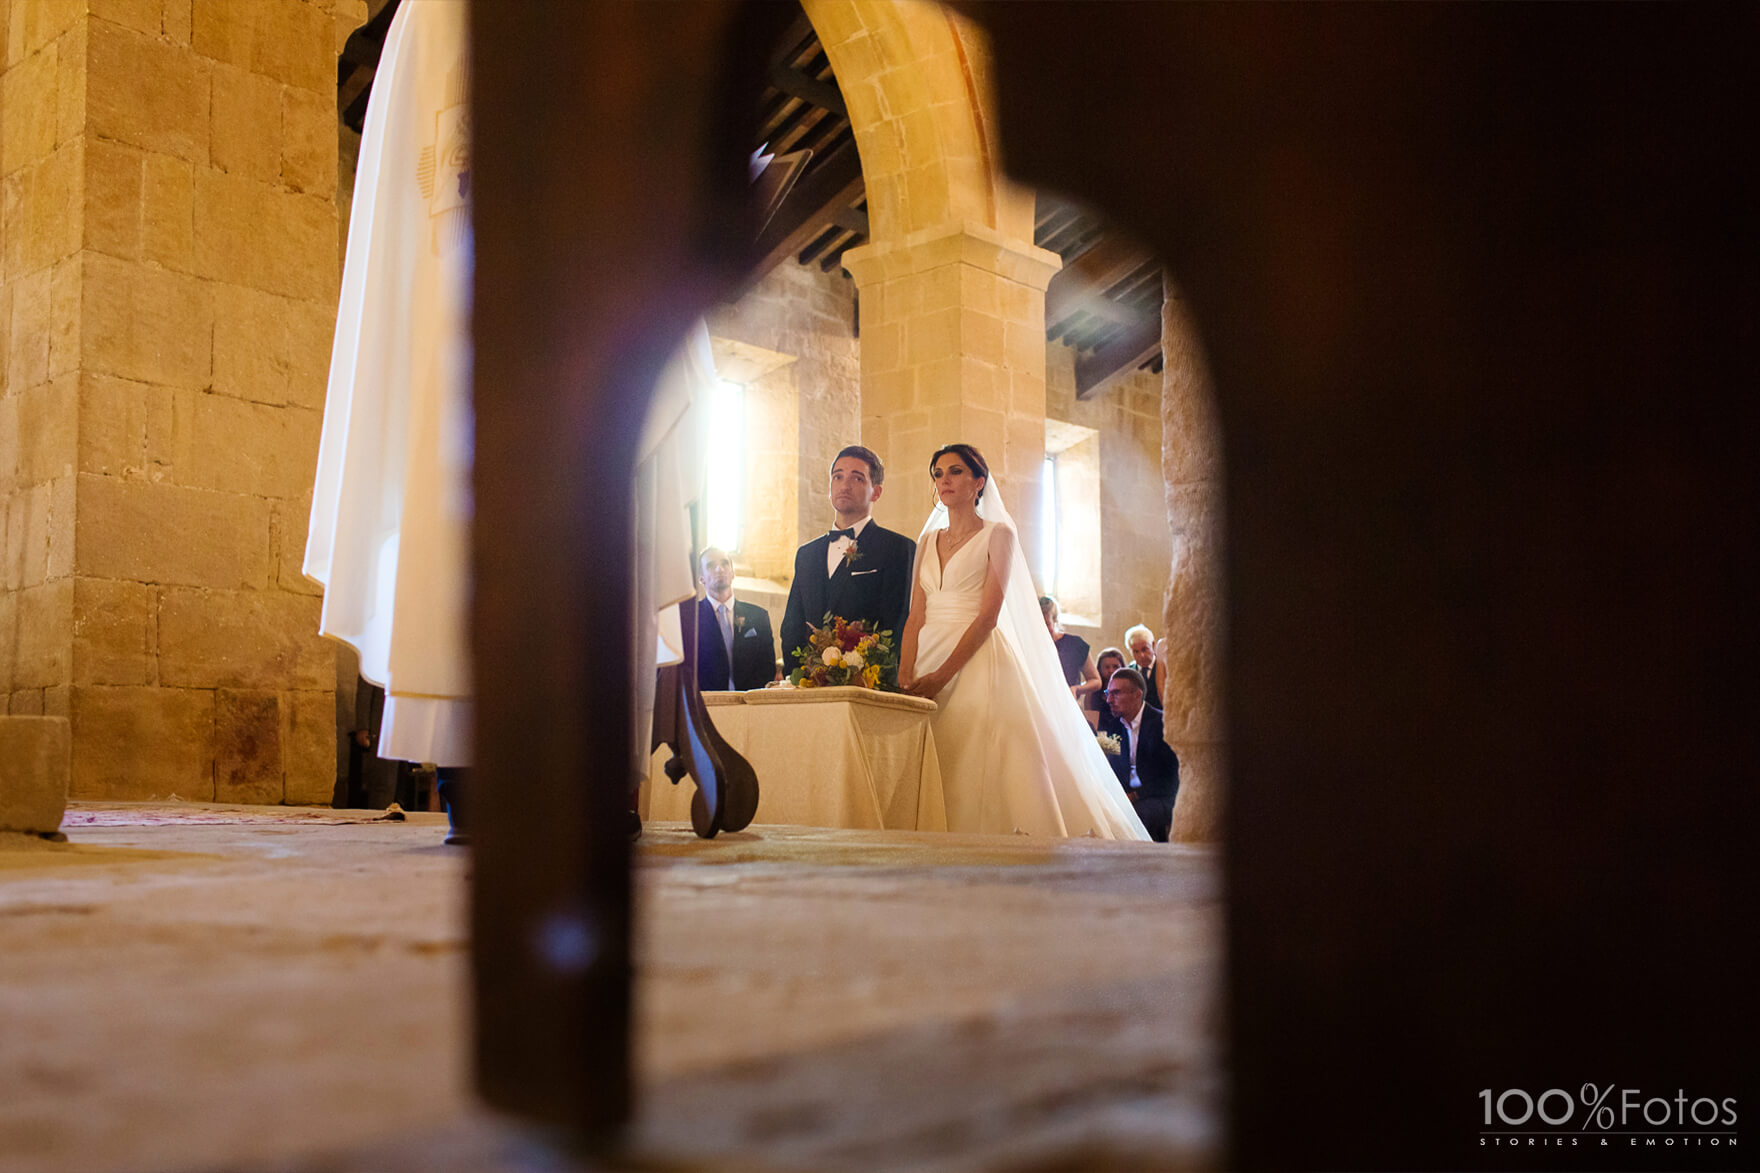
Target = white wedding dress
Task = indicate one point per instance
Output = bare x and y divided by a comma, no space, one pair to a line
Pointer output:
1016,753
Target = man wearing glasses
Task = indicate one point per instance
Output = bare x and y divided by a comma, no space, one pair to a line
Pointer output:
1146,765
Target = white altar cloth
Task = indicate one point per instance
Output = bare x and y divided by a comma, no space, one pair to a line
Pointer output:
825,757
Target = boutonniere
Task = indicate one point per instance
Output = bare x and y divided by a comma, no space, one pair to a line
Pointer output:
1110,743
739,621
851,552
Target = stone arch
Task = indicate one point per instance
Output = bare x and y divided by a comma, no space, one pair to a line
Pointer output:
916,79
951,287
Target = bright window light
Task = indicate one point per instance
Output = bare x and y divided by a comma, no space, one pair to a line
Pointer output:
1048,527
726,488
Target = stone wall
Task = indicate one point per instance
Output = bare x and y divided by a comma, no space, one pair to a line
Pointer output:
170,272
1134,543
799,415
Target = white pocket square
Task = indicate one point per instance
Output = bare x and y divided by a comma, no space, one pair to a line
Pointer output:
750,632
853,573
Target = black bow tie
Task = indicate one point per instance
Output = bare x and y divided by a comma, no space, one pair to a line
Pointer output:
842,533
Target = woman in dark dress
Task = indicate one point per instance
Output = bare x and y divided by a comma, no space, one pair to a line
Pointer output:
1072,652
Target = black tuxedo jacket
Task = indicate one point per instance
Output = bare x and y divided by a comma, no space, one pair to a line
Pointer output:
875,587
1157,770
1155,680
754,648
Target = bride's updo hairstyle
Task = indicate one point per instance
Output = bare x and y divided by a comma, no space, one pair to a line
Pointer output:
973,458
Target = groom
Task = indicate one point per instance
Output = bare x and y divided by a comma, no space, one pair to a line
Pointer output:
858,570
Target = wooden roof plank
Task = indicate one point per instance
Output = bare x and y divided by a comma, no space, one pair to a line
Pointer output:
1125,353
832,184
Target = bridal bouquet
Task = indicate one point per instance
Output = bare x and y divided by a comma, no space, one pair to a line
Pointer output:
841,653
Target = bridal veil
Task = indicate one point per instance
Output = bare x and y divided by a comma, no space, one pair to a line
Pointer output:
1066,739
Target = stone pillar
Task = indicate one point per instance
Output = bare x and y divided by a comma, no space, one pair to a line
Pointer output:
953,348
1191,463
168,172
33,774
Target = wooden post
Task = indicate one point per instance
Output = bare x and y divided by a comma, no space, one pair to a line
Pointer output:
611,207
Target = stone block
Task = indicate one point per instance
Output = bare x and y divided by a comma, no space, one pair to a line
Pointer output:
5,313
308,141
293,45
39,533
239,447
47,425
171,534
349,15
45,227
311,331
308,747
28,347
28,111
1198,811
70,84
287,40
222,30
1023,346
247,747
142,742
35,25
35,754
146,324
243,639
168,214
58,701
147,93
8,639
113,631
143,16
251,344
66,314
178,22
246,131
253,234
289,522
125,428
27,702
931,336
42,657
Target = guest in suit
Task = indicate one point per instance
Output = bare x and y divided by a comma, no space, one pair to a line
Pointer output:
1146,765
735,650
858,570
1095,706
1141,641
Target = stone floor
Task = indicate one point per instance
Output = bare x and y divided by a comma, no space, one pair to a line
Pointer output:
271,996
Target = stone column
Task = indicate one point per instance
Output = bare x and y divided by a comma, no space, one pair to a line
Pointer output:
1191,462
953,348
168,173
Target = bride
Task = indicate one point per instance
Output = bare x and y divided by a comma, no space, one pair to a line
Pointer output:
1015,750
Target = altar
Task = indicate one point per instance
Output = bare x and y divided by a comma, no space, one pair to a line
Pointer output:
825,757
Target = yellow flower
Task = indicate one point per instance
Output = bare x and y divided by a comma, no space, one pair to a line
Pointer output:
871,675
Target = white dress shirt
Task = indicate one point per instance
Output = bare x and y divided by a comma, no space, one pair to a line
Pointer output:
834,552
1136,727
724,618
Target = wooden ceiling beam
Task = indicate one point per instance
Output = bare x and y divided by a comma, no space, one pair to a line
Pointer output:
823,94
828,188
1089,276
1125,353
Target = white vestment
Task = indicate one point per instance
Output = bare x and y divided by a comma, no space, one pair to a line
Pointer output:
391,505
391,508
